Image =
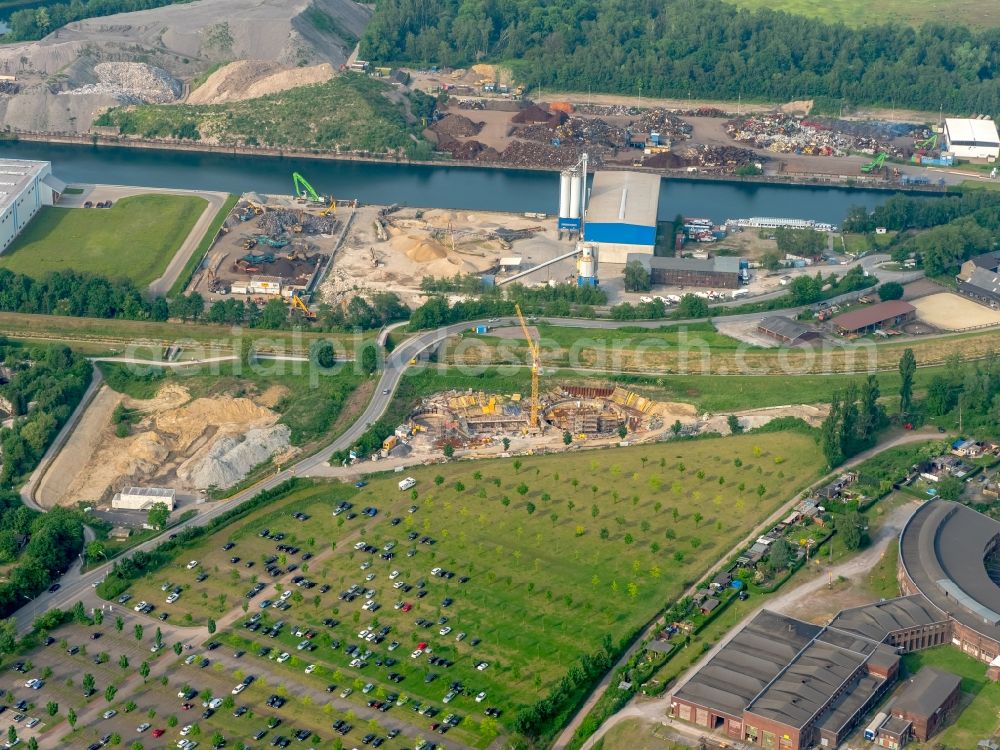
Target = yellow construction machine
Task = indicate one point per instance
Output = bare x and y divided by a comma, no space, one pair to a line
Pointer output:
536,368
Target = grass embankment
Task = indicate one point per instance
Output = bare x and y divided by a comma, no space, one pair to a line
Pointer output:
206,242
561,552
980,696
134,239
348,112
692,348
981,13
145,339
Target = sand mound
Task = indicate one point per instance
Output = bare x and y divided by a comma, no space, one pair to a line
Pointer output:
250,79
427,251
184,443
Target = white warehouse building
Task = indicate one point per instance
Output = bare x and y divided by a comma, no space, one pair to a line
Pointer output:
143,498
970,138
25,186
622,214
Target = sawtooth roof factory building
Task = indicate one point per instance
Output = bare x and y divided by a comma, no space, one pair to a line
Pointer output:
621,214
784,684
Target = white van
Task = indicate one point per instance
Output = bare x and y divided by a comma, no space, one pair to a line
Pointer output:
407,483
737,293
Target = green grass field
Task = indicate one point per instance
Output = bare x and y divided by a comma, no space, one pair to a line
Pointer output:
977,13
580,549
134,239
980,697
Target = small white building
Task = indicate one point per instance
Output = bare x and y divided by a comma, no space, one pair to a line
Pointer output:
25,186
969,138
143,498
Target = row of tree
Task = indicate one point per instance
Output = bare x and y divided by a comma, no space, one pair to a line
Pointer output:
853,422
87,296
558,300
647,47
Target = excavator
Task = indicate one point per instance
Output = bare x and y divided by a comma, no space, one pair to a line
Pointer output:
298,304
330,210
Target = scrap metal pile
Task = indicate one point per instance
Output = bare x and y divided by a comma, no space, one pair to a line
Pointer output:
276,222
718,159
589,131
785,134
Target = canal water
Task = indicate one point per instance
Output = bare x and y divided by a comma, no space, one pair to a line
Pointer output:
467,188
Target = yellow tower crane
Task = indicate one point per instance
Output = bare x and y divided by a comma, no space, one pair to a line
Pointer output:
536,368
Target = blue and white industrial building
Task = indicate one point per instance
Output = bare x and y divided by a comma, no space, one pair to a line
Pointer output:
621,215
25,186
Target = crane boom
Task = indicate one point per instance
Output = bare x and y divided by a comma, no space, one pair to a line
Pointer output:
303,189
536,366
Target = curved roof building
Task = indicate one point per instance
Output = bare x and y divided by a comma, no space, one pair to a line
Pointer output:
950,553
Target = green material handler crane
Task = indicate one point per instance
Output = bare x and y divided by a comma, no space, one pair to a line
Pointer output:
304,190
875,164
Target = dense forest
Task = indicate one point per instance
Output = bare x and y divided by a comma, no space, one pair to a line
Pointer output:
954,228
43,388
34,23
706,49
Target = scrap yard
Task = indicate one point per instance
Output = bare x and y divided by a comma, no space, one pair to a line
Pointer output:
274,246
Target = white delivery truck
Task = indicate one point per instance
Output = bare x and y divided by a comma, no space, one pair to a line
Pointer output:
407,483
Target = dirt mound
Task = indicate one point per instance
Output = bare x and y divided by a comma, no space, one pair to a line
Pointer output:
456,126
250,79
133,83
232,456
665,160
180,442
470,151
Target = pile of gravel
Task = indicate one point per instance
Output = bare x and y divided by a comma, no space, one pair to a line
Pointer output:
133,83
231,459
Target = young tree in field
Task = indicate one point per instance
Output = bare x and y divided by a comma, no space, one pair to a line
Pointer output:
506,444
567,438
448,451
178,648
123,662
109,693
517,465
210,625
622,431
119,624
144,670
88,683
51,708
32,743
676,427
70,717
138,632
98,617
95,550
698,518
11,736
907,369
